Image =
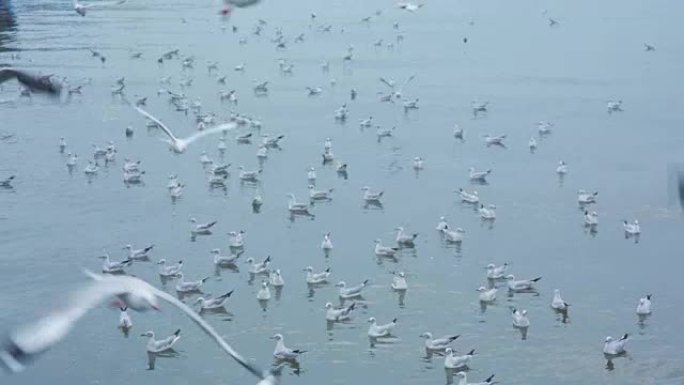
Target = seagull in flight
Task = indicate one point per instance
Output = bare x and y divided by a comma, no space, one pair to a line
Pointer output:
179,145
397,92
24,344
34,83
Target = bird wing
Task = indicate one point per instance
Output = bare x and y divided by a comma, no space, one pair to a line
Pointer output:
209,131
388,84
157,121
34,83
36,337
408,80
209,330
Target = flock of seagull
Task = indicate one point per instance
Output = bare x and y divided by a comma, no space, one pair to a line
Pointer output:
132,293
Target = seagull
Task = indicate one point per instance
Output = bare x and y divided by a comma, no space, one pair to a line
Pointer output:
495,140
464,380
314,91
442,225
25,343
297,208
221,260
586,198
202,228
405,240
397,92
410,105
456,362
590,219
521,285
399,282
615,347
282,352
179,145
160,346
488,213
114,267
366,122
438,344
377,331
644,306
213,304
614,106
272,142
338,315
648,47
410,7
520,318
276,279
41,84
264,294
631,228
139,254
384,251
479,107
326,244
319,194
7,182
259,268
557,303
544,127
458,132
453,236
478,175
350,292
496,272
125,322
316,278
385,132
91,168
562,168
249,176
371,196
472,198
183,286
487,295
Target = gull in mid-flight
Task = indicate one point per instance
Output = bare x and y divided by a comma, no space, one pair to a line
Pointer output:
179,145
33,83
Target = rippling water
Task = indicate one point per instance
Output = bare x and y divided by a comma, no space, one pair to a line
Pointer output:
53,223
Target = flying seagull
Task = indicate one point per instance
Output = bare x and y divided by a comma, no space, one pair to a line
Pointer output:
41,84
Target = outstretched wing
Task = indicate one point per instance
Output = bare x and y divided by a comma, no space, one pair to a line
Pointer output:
161,125
209,330
33,82
26,343
388,84
209,131
410,78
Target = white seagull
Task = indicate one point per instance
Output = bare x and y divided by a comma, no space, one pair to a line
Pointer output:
377,331
350,292
615,347
179,145
282,352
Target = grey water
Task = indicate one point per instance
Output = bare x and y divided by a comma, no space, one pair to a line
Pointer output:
54,223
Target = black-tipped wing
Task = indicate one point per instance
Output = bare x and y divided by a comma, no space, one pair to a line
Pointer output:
41,84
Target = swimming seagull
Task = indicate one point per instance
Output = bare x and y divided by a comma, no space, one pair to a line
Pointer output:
557,303
7,182
338,315
297,208
442,224
472,198
614,106
282,352
202,228
326,244
495,140
458,132
259,268
114,267
138,253
544,127
487,295
316,278
520,319
221,260
183,286
496,272
453,236
33,83
179,145
319,194
264,294
399,282
644,306
464,380
488,213
631,228
25,343
590,219
562,168
478,175
586,198
125,322
276,279
456,362
438,344
521,285
405,240
350,292
648,47
213,304
155,347
384,251
169,271
377,331
371,196
615,347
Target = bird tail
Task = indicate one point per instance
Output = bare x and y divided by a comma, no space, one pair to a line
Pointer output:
299,351
453,338
648,296
624,337
352,306
472,352
365,282
148,248
394,320
268,259
489,379
205,279
177,333
228,294
536,279
327,270
123,308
